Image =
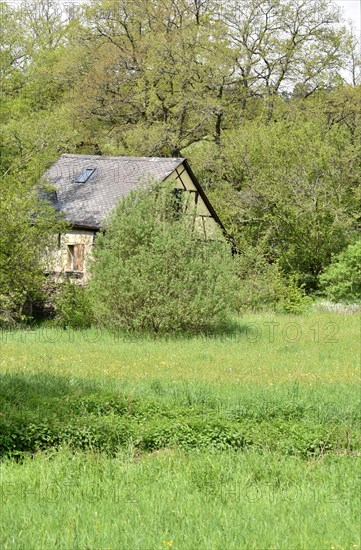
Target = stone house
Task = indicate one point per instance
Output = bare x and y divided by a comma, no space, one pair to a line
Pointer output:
88,187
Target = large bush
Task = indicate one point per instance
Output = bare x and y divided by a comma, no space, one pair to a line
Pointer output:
153,272
28,224
341,281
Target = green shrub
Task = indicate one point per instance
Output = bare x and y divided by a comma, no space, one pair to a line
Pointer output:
28,225
263,285
260,283
153,272
73,306
341,280
293,298
10,315
107,423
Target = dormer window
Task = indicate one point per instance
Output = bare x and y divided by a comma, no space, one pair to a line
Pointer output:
85,175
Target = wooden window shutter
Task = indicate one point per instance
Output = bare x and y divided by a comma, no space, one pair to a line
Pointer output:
78,257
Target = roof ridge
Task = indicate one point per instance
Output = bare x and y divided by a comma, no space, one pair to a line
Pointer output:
119,157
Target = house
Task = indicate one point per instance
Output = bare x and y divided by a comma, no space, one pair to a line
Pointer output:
88,187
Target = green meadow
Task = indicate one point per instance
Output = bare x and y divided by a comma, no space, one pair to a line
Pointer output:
248,438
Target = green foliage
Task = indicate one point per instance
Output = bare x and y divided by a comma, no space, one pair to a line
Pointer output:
282,165
107,422
260,283
73,306
195,499
293,298
299,207
173,74
263,285
341,280
28,225
153,272
246,430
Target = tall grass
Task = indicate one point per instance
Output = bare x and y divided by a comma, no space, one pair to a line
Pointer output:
176,500
246,439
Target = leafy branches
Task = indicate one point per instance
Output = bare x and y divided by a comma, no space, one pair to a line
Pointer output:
152,272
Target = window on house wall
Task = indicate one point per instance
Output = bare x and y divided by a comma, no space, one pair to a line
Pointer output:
75,261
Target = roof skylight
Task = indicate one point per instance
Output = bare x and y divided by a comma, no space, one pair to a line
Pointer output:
85,175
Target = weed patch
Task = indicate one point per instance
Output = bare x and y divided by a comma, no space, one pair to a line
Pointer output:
107,422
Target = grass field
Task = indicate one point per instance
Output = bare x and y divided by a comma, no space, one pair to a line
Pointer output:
248,439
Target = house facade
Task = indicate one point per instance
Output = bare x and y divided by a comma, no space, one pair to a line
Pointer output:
88,187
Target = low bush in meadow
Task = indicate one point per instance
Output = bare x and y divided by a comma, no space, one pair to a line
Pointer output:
109,422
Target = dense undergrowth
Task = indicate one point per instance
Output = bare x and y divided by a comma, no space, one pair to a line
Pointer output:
84,417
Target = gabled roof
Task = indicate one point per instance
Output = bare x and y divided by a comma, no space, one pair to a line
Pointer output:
87,203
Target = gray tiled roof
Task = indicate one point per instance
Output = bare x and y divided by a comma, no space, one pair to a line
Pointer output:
89,203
